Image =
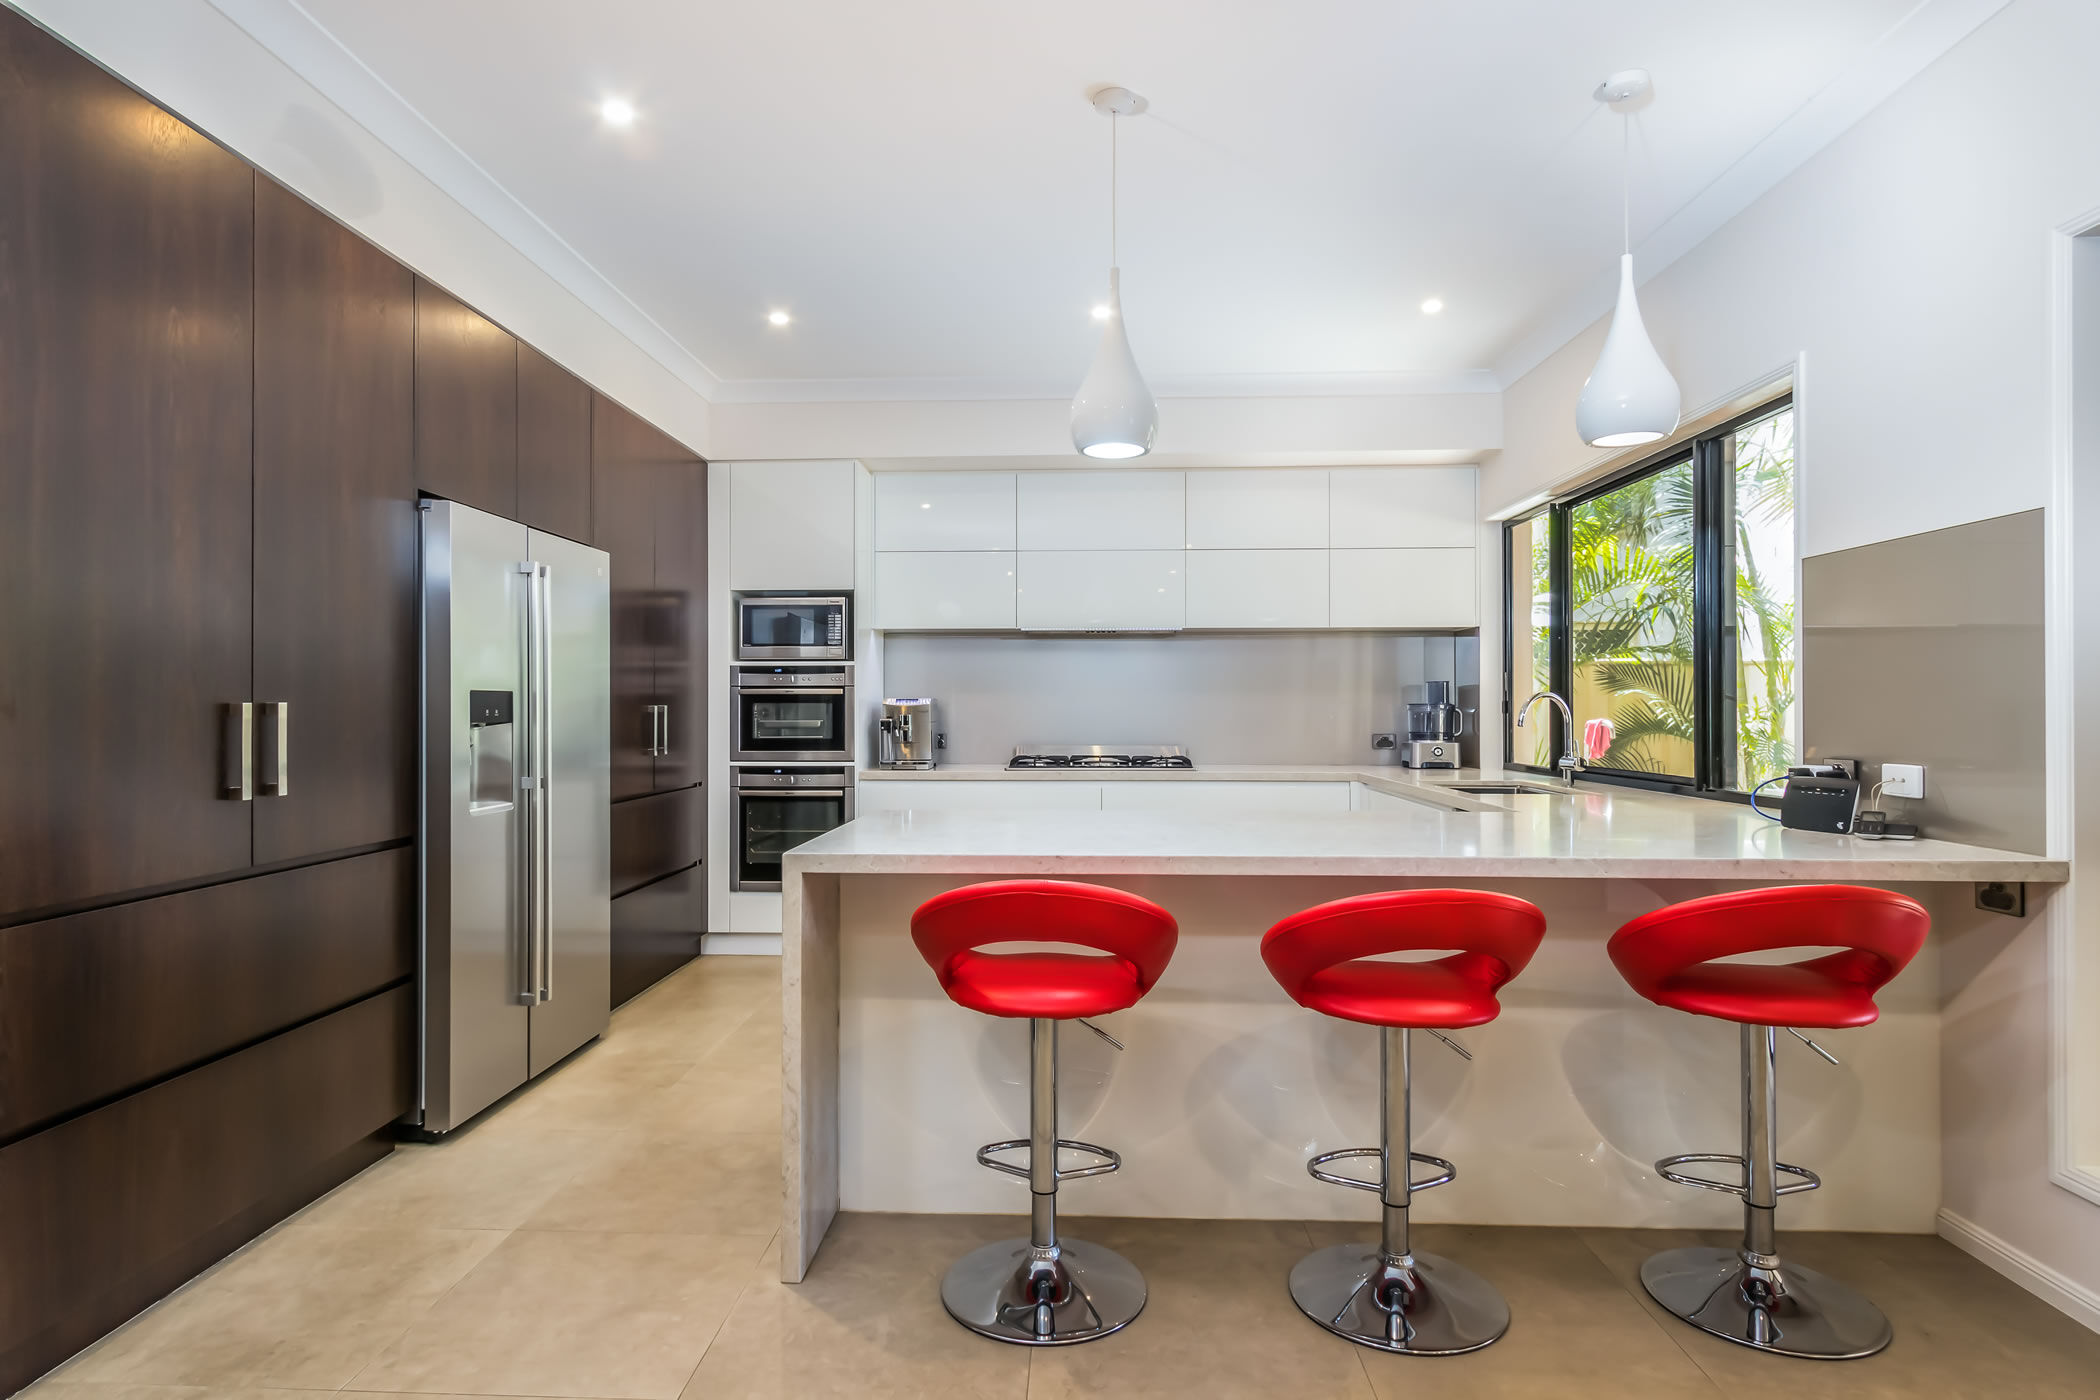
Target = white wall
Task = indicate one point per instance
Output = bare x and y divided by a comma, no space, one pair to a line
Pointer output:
191,58
1908,269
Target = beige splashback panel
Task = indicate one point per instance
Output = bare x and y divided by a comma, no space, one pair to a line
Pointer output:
1929,649
1285,697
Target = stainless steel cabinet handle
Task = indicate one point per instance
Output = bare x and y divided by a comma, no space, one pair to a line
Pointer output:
663,738
238,751
276,745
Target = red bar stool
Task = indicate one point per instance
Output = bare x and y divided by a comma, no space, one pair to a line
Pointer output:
1043,1291
1747,1295
1386,1295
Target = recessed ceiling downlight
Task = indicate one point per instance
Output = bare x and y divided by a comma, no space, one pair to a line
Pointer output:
778,318
616,111
1432,307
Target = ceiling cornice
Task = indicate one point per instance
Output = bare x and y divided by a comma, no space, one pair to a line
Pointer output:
1910,46
1217,386
300,42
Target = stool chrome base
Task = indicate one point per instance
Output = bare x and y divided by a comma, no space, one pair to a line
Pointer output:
1437,1308
1008,1292
1784,1309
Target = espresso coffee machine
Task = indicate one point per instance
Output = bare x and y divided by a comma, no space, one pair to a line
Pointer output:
1434,725
906,734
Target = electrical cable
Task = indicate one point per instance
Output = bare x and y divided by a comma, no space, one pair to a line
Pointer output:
1768,816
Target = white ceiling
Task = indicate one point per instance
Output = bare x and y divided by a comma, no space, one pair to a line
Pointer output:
923,185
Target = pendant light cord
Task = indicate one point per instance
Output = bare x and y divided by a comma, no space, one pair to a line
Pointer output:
1113,120
1626,180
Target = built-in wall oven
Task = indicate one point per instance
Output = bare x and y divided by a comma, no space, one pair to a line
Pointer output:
777,809
791,714
793,627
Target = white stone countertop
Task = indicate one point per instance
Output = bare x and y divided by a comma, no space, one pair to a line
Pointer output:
1596,832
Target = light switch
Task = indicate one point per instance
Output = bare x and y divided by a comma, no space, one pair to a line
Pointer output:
1902,780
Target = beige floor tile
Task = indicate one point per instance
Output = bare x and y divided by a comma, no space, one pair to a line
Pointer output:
685,1183
1219,1321
1572,1324
867,1322
478,1179
63,1390
596,1091
306,1308
714,1099
1941,1349
574,1313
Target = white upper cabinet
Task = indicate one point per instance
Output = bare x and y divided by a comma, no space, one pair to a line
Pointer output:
791,525
944,510
1402,507
1102,510
1257,588
945,591
1285,508
1427,588
1102,589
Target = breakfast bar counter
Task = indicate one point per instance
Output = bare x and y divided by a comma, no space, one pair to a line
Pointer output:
1227,1086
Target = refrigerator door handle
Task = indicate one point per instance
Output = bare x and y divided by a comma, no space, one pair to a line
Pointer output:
530,798
543,764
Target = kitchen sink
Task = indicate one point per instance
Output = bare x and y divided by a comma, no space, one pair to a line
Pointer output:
1505,790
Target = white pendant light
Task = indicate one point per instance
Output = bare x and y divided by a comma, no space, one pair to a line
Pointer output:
1113,415
1629,397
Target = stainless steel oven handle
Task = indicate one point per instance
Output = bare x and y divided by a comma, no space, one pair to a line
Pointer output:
809,690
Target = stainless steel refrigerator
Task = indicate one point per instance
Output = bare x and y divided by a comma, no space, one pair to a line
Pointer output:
515,855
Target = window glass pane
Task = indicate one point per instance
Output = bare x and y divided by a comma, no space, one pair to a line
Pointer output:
1531,621
1767,723
1631,582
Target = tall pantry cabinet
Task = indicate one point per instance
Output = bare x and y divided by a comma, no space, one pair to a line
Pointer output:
217,409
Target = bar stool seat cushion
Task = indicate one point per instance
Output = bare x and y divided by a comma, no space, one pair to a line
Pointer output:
1131,939
1325,957
1669,956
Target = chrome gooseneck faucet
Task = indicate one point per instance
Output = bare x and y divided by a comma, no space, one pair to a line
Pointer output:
1568,763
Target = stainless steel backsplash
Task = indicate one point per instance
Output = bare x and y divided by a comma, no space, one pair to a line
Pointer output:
1230,697
1929,649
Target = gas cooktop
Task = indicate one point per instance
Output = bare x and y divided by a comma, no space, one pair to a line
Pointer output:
1100,756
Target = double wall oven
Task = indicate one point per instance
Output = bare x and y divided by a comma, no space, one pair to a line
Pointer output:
792,728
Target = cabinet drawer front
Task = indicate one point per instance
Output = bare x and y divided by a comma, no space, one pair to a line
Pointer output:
96,1004
106,1213
1274,508
1257,588
1103,510
653,836
655,931
1402,507
944,511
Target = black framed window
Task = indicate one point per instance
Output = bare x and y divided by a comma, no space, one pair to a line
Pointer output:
1660,604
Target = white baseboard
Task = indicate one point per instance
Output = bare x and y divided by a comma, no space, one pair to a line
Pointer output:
2065,1294
749,944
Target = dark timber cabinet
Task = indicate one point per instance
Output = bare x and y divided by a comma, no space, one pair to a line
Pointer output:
649,509
217,407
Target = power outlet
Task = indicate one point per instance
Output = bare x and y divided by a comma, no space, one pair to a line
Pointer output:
1902,780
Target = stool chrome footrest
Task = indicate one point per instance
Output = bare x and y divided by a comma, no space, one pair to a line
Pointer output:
1768,1305
1809,1180
1014,1292
1314,1164
1111,1161
1424,1306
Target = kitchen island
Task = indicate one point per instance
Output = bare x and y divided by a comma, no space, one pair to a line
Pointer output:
1227,1086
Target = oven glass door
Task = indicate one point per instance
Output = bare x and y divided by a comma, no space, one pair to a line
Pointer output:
770,824
794,724
791,629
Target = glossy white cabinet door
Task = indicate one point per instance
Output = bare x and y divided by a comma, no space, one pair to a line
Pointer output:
1402,507
1257,588
1402,588
944,510
791,525
1283,508
944,592
927,795
1102,510
1102,589
1199,797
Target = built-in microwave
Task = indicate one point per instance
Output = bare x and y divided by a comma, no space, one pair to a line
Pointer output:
777,809
791,714
793,627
